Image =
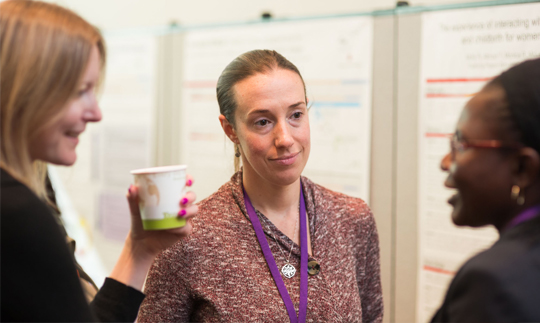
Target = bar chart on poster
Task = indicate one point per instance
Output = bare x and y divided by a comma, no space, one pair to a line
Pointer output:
461,51
334,57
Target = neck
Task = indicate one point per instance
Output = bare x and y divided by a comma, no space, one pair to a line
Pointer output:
532,199
271,199
523,213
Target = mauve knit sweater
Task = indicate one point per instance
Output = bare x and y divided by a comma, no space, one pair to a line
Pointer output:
219,273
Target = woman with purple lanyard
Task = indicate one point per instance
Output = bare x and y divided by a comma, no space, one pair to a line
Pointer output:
494,164
269,245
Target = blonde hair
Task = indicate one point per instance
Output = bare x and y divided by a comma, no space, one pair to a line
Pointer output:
44,51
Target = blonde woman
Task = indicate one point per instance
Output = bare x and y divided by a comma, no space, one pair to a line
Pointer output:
51,63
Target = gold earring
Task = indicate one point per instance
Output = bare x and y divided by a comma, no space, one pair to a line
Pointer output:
237,154
515,195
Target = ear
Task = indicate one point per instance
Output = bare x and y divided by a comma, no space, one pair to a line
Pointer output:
528,167
228,129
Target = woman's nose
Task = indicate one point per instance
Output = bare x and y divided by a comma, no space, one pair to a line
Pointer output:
97,114
92,113
283,136
446,162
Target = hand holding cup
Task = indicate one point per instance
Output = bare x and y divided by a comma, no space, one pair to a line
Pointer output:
160,211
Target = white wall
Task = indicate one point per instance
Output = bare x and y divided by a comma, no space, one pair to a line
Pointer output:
114,14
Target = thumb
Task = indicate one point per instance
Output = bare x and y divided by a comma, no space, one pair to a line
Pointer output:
133,201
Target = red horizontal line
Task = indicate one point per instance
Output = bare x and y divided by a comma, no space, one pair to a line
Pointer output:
439,270
474,79
437,135
444,95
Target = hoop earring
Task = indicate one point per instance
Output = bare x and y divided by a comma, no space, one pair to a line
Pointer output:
237,154
517,195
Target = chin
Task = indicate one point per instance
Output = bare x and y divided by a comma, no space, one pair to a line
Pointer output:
462,219
66,160
458,218
287,177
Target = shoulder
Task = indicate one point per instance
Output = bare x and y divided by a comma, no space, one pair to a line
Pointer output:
220,212
28,226
26,218
19,204
337,204
507,258
34,247
15,193
218,224
219,202
502,280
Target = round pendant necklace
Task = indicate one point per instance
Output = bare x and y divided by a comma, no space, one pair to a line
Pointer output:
287,270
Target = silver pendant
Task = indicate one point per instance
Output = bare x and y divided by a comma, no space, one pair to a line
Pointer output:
288,270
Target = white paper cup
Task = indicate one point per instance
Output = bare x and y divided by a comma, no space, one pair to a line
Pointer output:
160,191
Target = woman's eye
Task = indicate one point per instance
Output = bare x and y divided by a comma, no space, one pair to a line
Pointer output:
297,115
262,122
82,92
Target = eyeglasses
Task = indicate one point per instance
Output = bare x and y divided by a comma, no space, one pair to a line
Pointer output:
459,146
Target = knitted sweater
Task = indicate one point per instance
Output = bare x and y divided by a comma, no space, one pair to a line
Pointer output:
219,273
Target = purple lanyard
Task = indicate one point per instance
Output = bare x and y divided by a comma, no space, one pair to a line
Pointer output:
302,308
526,215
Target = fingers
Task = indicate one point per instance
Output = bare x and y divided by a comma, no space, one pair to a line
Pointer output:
189,211
133,200
188,199
189,180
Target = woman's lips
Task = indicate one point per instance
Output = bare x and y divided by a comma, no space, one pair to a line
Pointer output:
286,160
73,136
74,140
453,199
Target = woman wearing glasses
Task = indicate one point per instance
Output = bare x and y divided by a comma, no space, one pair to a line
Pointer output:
494,165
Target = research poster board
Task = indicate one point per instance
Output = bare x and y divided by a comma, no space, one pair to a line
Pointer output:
334,57
125,139
461,51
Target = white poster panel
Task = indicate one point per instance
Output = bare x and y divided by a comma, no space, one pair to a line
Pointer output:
461,51
334,57
125,137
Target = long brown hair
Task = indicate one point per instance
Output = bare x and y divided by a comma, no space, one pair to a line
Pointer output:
44,50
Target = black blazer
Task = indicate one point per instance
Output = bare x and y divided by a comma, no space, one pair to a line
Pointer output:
501,284
38,278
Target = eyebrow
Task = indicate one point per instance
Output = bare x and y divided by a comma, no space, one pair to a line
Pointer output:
262,111
258,111
296,104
